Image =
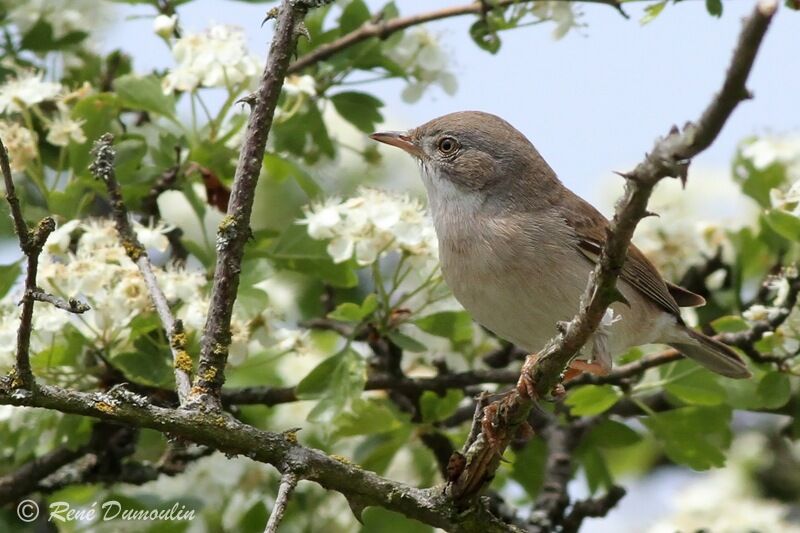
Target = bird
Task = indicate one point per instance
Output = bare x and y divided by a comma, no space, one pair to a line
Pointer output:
517,247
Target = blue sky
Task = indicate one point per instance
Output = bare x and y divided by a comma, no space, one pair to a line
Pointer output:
592,102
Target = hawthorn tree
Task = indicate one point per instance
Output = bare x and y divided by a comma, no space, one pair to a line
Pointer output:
164,343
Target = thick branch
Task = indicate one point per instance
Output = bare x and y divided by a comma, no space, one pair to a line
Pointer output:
361,487
234,230
670,157
103,168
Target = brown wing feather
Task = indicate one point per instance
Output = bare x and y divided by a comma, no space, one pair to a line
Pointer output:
590,228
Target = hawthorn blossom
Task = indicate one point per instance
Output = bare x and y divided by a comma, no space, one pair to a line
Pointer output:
421,54
370,223
64,16
20,142
300,85
768,150
63,129
164,25
217,57
26,90
559,12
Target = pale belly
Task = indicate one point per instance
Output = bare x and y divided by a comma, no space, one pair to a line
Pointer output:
523,307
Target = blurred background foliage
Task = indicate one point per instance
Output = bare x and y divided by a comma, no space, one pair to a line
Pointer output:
340,281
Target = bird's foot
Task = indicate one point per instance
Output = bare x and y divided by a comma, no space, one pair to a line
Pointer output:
525,385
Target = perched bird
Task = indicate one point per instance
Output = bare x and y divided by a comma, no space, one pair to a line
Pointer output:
517,246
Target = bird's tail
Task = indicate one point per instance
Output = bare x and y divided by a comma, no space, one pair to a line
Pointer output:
712,354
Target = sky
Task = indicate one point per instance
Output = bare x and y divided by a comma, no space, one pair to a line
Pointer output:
592,102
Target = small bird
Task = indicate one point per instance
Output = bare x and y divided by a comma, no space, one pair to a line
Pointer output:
517,247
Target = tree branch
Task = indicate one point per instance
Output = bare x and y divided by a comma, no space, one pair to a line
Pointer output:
361,487
234,230
73,305
288,483
31,243
670,157
382,29
103,169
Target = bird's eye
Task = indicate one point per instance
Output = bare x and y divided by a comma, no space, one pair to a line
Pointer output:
448,145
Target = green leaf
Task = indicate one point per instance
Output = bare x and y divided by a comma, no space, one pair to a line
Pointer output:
693,436
359,109
295,243
652,11
99,113
367,417
9,274
613,434
729,324
453,325
127,164
758,182
145,368
335,381
405,342
592,399
528,466
774,390
708,393
435,407
692,384
350,312
714,8
354,14
376,452
485,37
40,38
144,93
596,470
280,169
785,224
379,520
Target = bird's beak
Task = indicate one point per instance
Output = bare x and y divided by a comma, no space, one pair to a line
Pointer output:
400,139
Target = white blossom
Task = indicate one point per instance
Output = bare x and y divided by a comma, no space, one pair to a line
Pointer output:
370,223
64,16
787,200
758,312
164,25
217,57
420,53
298,85
26,90
63,129
20,142
767,150
153,236
559,12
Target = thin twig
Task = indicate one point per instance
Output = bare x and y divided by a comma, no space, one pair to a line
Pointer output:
234,230
73,305
592,508
31,243
103,168
376,27
288,483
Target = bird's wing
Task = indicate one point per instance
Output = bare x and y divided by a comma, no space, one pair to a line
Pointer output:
590,229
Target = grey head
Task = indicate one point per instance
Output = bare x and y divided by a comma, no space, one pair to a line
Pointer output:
476,151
